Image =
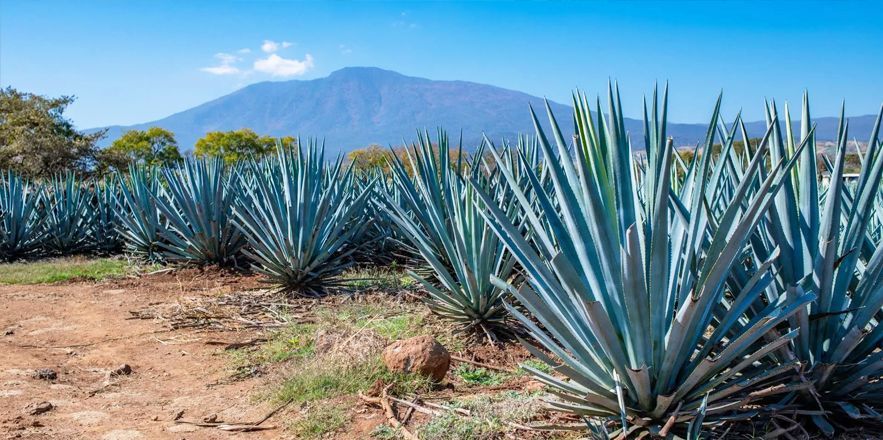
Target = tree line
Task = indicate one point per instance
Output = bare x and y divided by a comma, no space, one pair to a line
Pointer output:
38,141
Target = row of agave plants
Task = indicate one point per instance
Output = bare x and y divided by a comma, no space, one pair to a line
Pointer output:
295,216
665,295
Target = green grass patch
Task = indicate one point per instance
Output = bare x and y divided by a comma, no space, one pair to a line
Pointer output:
376,278
385,432
315,374
295,341
319,421
389,322
471,375
536,365
490,413
325,380
64,269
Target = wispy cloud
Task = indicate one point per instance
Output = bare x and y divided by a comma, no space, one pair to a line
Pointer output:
226,66
344,49
269,62
404,22
278,66
271,46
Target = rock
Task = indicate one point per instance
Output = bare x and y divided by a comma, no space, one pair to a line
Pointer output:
421,354
212,418
46,374
35,409
88,418
9,332
122,370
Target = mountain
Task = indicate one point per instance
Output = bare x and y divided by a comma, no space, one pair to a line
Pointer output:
357,106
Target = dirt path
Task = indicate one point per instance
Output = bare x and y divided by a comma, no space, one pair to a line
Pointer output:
82,332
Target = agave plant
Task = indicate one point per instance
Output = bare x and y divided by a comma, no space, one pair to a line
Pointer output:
198,201
299,214
69,216
629,297
830,251
21,229
105,237
381,243
440,219
141,225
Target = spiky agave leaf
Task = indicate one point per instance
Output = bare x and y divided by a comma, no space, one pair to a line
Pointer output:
830,251
626,292
198,201
105,237
21,229
381,243
441,220
69,216
141,225
299,214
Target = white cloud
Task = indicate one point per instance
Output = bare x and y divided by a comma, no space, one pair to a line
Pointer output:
278,66
344,49
244,50
226,67
221,70
271,46
403,22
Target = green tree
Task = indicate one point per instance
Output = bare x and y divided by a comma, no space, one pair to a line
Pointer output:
370,158
154,146
236,145
37,140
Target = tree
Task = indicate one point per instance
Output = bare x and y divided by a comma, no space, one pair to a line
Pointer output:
370,158
154,146
374,157
37,140
236,145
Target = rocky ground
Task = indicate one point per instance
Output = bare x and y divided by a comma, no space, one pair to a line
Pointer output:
73,364
204,355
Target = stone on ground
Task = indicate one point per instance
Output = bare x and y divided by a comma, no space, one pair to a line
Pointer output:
421,354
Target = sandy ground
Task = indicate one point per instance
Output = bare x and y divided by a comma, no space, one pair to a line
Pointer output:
84,330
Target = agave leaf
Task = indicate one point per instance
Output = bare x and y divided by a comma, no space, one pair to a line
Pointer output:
198,202
623,274
300,215
22,223
440,219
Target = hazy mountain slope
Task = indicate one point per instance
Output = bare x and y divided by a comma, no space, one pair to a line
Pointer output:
357,106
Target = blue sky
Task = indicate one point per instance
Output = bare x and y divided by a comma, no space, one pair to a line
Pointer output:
135,61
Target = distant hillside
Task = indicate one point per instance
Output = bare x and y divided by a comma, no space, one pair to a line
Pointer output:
358,106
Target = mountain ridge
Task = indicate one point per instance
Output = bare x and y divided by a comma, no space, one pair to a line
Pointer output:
357,106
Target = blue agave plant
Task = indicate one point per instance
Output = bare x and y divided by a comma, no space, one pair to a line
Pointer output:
299,214
198,202
21,224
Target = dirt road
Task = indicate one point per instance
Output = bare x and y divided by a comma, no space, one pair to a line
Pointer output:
83,331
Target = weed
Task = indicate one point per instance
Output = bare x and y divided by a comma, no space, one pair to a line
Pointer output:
373,278
536,365
324,380
389,324
385,432
479,376
489,417
63,269
319,421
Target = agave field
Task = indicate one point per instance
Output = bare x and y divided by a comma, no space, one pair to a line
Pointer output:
668,297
